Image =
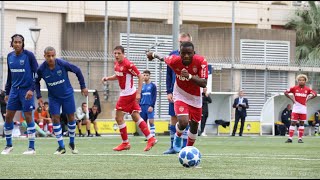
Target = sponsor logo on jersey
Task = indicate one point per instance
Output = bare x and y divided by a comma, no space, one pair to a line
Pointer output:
118,73
17,70
21,62
301,95
146,93
181,78
56,83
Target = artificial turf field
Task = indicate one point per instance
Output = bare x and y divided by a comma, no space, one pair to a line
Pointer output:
222,157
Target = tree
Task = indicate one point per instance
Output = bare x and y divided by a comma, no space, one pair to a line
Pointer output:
306,22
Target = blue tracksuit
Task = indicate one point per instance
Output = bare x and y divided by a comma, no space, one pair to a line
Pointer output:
170,80
60,91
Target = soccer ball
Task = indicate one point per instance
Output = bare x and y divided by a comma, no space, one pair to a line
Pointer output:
189,157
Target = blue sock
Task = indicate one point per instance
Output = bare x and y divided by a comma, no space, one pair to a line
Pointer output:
72,129
185,137
58,132
172,132
152,130
8,127
31,130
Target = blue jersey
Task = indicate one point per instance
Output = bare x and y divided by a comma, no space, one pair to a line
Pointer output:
148,94
21,71
57,80
171,76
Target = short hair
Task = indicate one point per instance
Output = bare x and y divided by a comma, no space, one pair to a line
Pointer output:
302,76
49,48
17,35
183,34
119,48
186,44
83,103
146,72
45,103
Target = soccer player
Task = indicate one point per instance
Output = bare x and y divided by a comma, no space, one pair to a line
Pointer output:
54,72
129,98
148,101
302,94
191,74
170,80
22,66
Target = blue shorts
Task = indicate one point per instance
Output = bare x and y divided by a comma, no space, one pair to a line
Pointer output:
68,105
171,109
17,100
145,115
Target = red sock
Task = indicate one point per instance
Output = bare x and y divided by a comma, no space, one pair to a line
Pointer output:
50,128
178,131
144,128
123,132
41,125
191,139
291,132
301,131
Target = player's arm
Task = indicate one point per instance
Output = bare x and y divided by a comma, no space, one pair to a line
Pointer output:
109,78
152,55
286,93
154,95
169,78
37,86
312,93
8,83
76,70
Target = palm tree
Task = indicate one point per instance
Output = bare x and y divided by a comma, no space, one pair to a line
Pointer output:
306,22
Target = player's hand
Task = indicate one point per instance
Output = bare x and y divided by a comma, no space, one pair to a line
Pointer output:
185,73
150,109
84,92
40,102
170,98
138,97
104,79
149,55
6,98
29,95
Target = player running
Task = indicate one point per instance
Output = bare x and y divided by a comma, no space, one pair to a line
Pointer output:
191,74
128,101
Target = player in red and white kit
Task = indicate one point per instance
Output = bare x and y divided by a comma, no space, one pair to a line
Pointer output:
128,101
302,94
191,74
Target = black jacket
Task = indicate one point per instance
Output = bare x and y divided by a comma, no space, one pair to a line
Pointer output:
3,102
205,101
242,111
286,116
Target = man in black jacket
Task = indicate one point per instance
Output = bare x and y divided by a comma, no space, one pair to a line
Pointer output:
241,105
206,99
3,106
286,117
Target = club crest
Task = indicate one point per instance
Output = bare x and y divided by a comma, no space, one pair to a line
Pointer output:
59,72
181,108
21,62
195,69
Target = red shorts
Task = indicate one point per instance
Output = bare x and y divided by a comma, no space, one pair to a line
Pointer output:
298,117
181,108
128,104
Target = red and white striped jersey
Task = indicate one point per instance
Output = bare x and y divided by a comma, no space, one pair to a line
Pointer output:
125,72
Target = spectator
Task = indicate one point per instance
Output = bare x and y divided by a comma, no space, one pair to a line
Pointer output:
286,117
93,115
83,119
64,124
316,119
45,119
206,99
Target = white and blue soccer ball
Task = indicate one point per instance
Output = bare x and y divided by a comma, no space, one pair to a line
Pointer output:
189,156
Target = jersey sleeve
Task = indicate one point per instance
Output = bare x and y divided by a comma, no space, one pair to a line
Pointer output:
171,61
314,93
290,90
8,83
38,78
203,73
133,70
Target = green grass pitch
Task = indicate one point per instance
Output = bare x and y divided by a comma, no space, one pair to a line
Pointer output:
222,157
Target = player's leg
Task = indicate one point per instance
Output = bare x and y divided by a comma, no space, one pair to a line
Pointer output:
50,125
58,132
303,118
28,107
182,111
316,128
242,125
202,125
294,119
125,145
151,123
87,123
69,108
95,125
79,123
41,123
12,106
172,128
195,118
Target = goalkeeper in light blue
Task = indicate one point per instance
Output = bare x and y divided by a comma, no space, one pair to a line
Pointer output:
54,71
148,101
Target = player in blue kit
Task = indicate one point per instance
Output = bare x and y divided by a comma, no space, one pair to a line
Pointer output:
170,81
54,71
148,101
22,66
